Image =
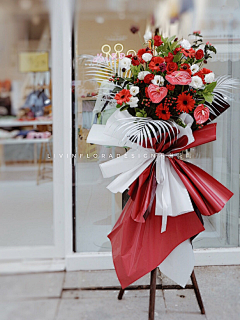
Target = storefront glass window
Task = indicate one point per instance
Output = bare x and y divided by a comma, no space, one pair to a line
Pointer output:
26,187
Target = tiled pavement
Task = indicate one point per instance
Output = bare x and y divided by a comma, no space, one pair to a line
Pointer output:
63,296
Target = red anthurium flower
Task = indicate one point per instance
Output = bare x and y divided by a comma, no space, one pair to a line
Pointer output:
155,63
188,53
179,77
123,96
156,93
201,114
170,87
199,54
185,102
157,41
171,67
148,78
162,112
169,58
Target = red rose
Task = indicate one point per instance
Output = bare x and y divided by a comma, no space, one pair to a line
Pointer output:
171,66
176,50
205,71
146,92
135,61
170,87
169,58
157,41
148,78
199,54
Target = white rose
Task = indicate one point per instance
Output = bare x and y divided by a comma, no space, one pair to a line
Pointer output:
147,57
158,80
133,102
134,90
185,44
194,68
196,82
209,78
142,74
125,63
147,36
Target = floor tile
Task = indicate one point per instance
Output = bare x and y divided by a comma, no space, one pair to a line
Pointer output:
105,306
104,278
29,310
37,285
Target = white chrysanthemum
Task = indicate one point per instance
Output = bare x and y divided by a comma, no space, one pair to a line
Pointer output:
147,36
185,44
133,102
134,90
142,74
196,82
125,63
209,78
158,80
194,68
147,57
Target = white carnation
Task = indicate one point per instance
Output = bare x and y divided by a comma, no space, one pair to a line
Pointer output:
196,82
209,78
185,44
125,63
134,90
147,36
158,80
133,102
142,74
194,68
147,57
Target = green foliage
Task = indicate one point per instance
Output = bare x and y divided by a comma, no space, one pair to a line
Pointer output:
177,57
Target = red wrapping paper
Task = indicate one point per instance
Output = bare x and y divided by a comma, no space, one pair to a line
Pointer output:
138,246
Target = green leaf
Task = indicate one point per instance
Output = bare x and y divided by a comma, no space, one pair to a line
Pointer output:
210,87
208,97
174,45
171,39
124,107
213,49
118,106
177,57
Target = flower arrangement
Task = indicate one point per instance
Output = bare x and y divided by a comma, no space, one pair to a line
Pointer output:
167,78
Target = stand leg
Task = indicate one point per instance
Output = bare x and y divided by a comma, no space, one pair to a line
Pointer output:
120,295
197,292
152,294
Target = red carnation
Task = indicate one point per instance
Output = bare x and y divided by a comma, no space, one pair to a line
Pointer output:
170,87
169,58
148,78
155,63
199,54
157,41
162,112
171,66
123,96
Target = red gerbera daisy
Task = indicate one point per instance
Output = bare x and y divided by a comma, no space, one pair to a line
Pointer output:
162,112
123,96
185,102
141,52
188,53
155,63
